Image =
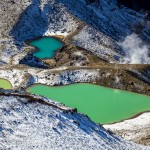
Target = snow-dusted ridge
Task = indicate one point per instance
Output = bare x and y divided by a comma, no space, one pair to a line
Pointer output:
32,125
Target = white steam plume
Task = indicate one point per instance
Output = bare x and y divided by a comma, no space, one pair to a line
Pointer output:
136,52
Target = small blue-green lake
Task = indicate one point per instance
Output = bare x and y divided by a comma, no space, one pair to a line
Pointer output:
46,47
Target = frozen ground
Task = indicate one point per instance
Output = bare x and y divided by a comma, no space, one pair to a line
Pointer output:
32,125
23,76
98,43
134,129
15,76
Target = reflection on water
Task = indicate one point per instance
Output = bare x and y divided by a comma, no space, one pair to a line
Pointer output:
102,105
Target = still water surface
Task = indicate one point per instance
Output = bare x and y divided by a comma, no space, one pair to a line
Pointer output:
5,84
102,105
47,46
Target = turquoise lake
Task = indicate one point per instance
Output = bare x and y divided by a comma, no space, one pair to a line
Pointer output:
102,105
47,46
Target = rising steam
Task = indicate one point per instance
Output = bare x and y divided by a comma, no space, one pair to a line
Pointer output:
136,52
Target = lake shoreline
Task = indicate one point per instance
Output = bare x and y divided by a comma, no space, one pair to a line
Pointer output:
87,85
55,86
36,49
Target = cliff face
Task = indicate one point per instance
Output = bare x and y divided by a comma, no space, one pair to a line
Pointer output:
106,17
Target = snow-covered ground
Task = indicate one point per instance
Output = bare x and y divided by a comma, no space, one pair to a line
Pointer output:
131,124
97,42
32,125
66,77
133,129
23,76
15,76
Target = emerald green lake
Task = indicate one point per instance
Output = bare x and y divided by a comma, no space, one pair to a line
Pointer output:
47,46
102,105
5,84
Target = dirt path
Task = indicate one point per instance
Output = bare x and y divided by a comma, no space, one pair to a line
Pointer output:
99,66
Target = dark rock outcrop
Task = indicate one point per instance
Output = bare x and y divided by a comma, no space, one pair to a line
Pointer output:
33,61
136,4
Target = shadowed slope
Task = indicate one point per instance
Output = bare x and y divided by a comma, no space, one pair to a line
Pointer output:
32,22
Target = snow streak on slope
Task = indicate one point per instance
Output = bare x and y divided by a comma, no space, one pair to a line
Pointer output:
96,42
28,125
106,16
136,51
